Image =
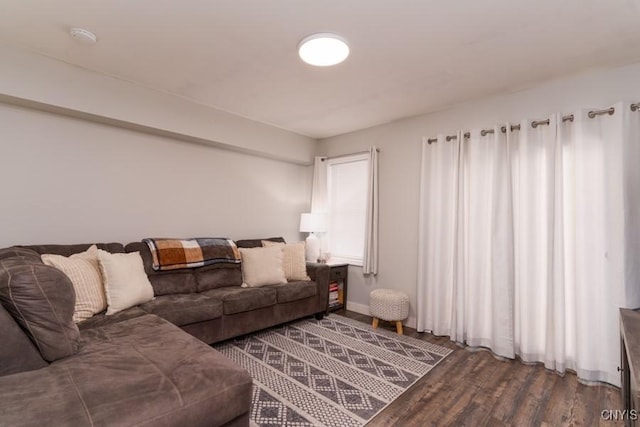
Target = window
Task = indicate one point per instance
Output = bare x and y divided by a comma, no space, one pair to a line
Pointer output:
346,203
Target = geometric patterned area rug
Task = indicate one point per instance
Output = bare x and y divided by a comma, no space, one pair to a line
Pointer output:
331,372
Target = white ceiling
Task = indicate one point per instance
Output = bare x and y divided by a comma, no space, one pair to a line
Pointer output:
408,57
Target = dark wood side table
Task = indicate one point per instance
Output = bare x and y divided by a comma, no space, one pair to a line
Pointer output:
630,364
338,277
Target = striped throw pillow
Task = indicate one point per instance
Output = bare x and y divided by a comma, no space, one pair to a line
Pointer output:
293,260
83,270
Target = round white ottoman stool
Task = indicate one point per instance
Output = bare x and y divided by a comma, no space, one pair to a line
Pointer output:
389,305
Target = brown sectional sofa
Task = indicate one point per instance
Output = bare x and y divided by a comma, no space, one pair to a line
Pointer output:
137,367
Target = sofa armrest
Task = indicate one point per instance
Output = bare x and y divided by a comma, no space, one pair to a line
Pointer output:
319,273
17,352
315,270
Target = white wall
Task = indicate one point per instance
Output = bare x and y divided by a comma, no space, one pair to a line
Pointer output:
400,145
66,180
32,77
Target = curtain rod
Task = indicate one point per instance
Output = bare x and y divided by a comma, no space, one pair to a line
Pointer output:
347,155
569,118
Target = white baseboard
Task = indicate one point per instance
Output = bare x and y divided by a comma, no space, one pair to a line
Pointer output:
364,309
358,308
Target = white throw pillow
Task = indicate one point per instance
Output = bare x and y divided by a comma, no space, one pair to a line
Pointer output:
125,281
294,263
83,270
262,266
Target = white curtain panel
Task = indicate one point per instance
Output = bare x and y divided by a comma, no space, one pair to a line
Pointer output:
319,186
487,243
543,301
529,240
438,237
319,195
370,259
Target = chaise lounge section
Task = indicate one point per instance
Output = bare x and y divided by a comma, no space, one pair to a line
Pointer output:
146,365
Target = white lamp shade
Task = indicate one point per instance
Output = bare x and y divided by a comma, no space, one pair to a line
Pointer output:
313,222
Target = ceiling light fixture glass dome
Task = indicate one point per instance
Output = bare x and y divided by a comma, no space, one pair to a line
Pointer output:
323,49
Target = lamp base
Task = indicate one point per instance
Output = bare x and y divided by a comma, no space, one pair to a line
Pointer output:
312,248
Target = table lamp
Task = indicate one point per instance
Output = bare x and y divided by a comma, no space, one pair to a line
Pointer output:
312,223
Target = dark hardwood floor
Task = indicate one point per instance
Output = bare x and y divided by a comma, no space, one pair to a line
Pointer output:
473,388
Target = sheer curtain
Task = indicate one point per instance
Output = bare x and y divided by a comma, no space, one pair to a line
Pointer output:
319,186
542,175
438,255
529,238
319,194
370,258
487,241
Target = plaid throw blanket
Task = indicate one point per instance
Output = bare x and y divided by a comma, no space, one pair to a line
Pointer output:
172,254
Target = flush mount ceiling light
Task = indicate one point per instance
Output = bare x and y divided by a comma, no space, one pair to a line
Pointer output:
323,49
85,36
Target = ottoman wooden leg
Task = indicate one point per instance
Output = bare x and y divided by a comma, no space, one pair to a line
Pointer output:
375,322
399,327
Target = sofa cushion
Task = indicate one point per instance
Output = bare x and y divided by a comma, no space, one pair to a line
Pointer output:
68,250
294,291
142,372
163,282
125,282
16,251
182,309
17,352
41,299
84,271
101,319
262,266
294,263
193,280
256,243
218,276
172,282
238,300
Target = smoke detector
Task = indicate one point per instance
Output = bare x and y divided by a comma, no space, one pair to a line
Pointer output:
85,36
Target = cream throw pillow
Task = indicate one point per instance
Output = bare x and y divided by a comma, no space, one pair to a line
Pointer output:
294,263
125,281
262,266
83,270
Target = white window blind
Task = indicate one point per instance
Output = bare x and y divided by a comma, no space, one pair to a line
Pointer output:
347,196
